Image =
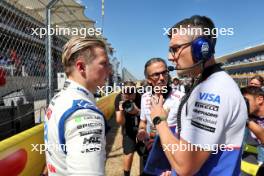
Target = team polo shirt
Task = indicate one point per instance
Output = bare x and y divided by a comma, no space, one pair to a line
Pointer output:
214,117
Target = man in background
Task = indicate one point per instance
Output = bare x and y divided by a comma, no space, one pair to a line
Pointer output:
256,81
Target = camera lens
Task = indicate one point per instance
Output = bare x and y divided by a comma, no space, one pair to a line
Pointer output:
128,106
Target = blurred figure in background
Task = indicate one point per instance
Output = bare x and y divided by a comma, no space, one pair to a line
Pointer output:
127,110
255,97
177,84
256,81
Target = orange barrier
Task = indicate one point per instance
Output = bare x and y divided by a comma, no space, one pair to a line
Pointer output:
22,154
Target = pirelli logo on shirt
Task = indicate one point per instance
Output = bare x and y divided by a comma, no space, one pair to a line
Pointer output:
206,106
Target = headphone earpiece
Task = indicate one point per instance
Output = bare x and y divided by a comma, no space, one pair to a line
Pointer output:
202,49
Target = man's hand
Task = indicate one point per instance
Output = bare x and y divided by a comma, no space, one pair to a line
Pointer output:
142,135
135,111
156,107
121,105
167,173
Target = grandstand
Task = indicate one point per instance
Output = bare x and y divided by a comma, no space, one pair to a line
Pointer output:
127,76
23,53
244,64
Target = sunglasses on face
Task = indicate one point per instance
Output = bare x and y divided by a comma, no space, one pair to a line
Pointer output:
157,74
175,48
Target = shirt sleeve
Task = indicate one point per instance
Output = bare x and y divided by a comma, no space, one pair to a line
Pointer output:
85,143
142,112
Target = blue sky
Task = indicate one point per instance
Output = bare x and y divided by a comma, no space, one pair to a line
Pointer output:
135,27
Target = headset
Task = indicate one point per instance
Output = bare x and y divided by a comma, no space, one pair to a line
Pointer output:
202,48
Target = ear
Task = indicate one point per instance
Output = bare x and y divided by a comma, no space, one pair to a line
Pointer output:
80,65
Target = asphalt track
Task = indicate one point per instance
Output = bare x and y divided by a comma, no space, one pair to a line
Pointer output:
114,161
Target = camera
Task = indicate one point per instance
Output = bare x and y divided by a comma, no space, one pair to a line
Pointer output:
128,106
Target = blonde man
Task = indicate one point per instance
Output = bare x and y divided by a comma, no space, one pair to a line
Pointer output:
74,129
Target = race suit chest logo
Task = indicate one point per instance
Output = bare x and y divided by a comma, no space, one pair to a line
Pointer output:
85,104
206,106
85,125
209,97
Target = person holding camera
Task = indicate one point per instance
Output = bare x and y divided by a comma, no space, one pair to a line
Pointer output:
127,110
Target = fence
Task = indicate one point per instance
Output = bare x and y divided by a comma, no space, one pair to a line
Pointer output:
30,49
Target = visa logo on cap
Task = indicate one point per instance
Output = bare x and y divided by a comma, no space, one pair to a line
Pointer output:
209,97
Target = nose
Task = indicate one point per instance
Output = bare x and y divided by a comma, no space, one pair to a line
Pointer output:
161,77
173,58
170,57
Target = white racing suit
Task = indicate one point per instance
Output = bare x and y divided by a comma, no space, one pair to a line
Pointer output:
74,132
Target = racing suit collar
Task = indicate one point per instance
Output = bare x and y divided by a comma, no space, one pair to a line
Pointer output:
70,84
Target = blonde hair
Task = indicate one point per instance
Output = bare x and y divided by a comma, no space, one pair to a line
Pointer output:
78,46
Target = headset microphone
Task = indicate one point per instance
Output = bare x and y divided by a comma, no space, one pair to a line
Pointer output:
171,68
